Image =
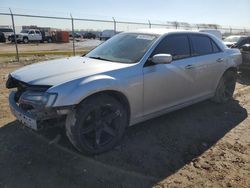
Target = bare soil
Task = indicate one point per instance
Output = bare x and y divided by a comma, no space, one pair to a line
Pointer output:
34,47
204,145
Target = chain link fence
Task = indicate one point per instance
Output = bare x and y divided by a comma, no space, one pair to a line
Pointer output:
73,24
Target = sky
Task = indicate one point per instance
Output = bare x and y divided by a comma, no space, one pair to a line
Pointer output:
223,12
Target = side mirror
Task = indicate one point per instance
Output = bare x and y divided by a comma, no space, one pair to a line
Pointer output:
162,58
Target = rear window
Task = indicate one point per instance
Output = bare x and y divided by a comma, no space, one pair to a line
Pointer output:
201,45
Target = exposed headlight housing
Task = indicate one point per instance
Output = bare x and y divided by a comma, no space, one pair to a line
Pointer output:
38,99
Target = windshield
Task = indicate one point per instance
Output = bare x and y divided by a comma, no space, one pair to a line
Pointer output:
233,39
123,48
24,31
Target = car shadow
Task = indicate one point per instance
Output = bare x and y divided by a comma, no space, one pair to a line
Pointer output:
161,146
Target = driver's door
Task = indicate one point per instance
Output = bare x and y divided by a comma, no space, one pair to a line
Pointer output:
167,85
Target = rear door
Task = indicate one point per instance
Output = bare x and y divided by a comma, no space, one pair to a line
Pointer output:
208,60
38,35
167,85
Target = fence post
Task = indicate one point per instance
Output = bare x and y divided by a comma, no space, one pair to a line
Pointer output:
14,30
175,25
114,25
230,30
149,24
73,34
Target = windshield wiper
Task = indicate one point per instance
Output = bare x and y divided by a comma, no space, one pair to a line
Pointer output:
100,58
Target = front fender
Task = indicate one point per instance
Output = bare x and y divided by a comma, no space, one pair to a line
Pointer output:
73,92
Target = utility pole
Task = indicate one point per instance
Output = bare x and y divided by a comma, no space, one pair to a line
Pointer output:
73,34
14,30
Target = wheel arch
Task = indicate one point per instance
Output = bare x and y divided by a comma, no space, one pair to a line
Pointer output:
25,37
218,98
233,69
118,95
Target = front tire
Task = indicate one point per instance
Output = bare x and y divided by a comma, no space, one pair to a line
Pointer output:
97,124
225,89
25,40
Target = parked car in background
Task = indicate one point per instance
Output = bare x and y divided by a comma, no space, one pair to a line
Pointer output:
107,34
27,35
214,32
7,32
245,51
128,79
89,35
2,37
237,41
76,35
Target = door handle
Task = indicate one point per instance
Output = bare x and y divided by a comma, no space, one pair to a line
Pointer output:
220,60
189,67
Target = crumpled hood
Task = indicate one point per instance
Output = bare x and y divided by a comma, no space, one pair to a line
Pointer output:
59,71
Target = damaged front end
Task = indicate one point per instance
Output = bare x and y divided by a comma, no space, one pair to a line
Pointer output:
32,104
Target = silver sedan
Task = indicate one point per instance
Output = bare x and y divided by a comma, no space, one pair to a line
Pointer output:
132,77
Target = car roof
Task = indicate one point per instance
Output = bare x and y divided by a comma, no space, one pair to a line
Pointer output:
163,31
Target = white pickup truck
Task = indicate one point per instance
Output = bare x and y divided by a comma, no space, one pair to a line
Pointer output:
27,35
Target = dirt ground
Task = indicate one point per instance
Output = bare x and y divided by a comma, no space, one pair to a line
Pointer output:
204,145
44,51
79,44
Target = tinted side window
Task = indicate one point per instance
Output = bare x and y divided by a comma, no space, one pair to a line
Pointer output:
176,45
201,45
37,32
31,32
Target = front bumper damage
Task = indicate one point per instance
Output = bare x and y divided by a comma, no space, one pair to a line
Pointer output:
26,118
34,118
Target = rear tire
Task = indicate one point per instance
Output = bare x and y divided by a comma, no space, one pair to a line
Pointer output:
97,124
225,89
